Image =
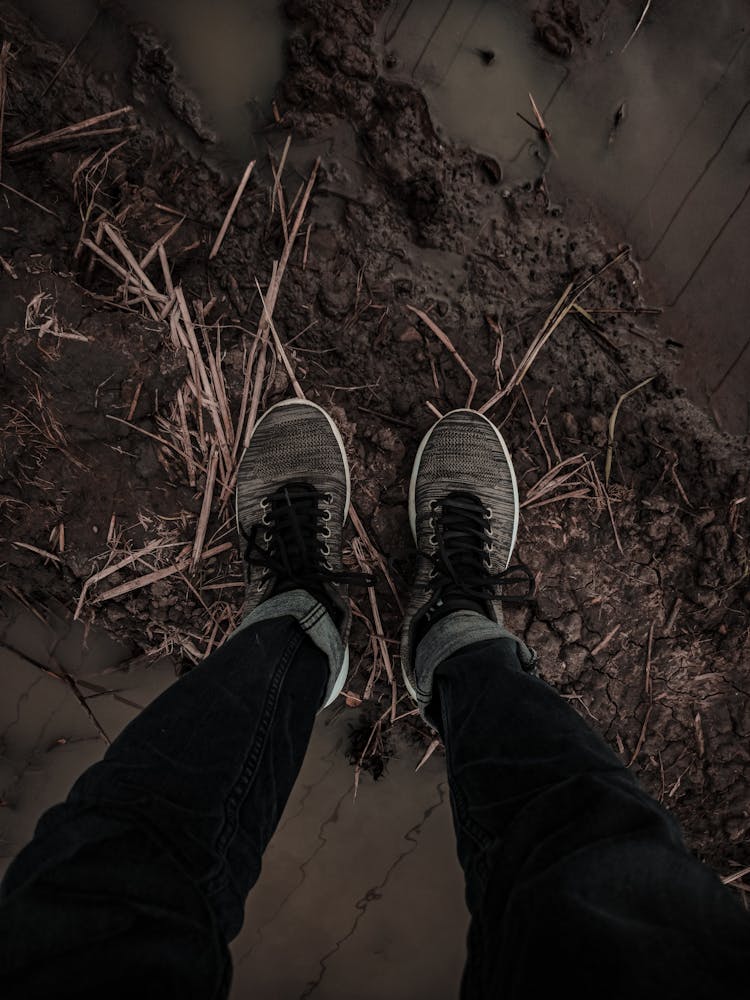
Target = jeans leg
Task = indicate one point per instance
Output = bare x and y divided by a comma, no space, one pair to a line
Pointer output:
578,883
144,870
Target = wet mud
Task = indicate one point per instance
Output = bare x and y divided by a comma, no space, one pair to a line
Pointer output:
642,618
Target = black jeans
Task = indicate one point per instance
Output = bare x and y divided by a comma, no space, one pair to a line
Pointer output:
577,881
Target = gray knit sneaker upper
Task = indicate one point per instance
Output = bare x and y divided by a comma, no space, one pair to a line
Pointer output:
463,507
292,501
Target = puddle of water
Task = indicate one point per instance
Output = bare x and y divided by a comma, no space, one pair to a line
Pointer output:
674,176
229,51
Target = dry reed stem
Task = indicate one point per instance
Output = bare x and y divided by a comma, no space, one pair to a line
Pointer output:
167,274
446,342
280,169
603,492
154,437
205,383
39,552
25,197
5,57
160,243
271,295
649,695
543,130
208,495
636,29
735,876
232,209
611,426
108,570
374,554
160,574
358,549
124,249
536,428
554,478
69,130
277,193
427,754
134,401
558,313
601,646
298,391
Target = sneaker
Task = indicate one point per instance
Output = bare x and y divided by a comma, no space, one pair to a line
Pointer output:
293,492
463,509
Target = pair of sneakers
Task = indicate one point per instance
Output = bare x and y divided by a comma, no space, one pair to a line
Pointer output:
293,493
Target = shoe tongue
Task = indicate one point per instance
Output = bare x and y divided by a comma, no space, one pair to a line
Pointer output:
304,497
465,551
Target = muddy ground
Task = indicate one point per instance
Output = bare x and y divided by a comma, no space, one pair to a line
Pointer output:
642,616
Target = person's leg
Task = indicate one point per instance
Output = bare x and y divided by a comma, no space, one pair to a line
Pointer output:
577,882
140,877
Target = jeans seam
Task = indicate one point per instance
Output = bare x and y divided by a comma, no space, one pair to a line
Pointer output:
244,781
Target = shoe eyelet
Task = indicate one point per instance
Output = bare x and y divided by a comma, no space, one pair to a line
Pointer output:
488,513
267,537
326,515
325,550
328,497
326,533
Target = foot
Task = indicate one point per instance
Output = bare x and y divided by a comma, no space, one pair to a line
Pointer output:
463,508
293,491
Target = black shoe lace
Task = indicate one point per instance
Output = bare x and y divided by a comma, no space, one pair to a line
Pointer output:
461,573
290,543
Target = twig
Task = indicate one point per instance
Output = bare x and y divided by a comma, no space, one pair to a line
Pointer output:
559,311
108,570
39,552
374,554
70,54
5,57
159,244
605,493
649,694
735,876
613,420
134,401
63,133
280,348
358,549
124,249
641,19
600,646
427,754
446,342
159,574
232,209
542,129
25,197
208,494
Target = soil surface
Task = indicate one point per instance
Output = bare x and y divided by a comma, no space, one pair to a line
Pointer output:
642,615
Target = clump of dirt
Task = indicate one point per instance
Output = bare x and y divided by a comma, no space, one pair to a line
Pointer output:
642,621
